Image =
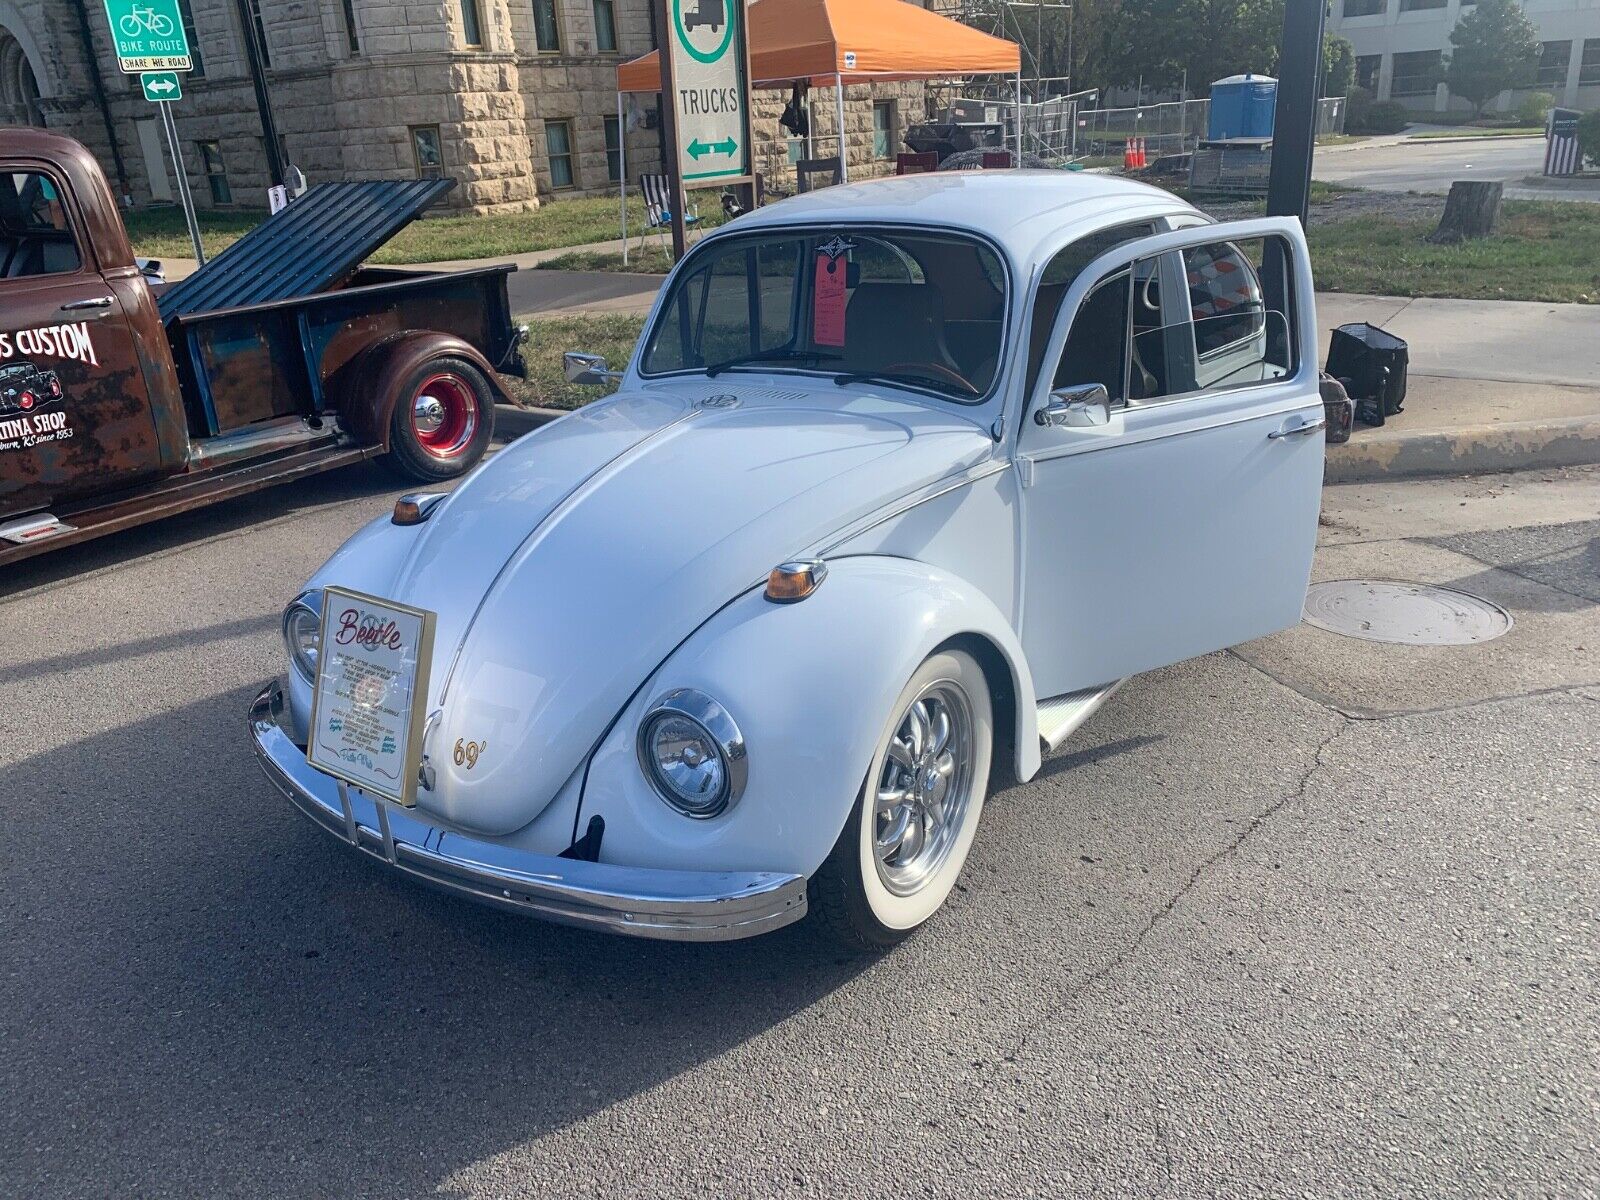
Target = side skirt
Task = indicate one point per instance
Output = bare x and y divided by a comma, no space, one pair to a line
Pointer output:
1060,716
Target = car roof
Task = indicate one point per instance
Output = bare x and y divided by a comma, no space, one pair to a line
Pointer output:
1029,212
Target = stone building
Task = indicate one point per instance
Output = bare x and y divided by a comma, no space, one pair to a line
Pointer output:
516,99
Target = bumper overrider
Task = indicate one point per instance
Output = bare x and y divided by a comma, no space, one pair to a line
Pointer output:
696,906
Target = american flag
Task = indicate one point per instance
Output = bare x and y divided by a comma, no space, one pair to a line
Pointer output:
1561,142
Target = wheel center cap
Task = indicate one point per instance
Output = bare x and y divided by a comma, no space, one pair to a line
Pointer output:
429,414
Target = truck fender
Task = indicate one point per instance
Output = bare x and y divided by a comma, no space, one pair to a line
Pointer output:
810,685
366,404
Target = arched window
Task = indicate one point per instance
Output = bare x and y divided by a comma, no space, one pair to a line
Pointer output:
19,90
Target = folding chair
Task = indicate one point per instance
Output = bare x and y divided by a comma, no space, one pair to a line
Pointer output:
807,167
657,191
916,164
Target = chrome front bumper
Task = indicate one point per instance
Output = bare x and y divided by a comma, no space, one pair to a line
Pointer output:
692,906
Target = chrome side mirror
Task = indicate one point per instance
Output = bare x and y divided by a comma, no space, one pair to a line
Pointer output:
1081,407
584,368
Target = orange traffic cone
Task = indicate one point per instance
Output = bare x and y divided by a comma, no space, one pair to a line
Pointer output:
1127,155
1139,159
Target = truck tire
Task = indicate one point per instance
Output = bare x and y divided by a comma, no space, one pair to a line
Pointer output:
442,421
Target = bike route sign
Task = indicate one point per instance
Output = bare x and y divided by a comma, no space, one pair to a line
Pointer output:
710,93
148,35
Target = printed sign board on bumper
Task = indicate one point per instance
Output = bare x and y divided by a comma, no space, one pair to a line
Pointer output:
371,687
710,94
148,36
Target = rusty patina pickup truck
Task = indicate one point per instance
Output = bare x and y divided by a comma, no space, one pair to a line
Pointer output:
282,357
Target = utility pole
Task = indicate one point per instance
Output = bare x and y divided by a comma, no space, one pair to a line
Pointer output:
258,75
1294,129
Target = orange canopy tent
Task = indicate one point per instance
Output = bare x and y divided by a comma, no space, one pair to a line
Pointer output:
835,42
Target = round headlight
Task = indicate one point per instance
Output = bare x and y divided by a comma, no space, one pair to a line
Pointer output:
302,632
693,754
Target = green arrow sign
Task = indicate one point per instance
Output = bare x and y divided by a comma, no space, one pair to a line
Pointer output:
148,36
161,85
697,148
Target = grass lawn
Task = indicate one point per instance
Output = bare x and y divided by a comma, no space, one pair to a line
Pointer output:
1503,131
160,232
652,260
1544,251
610,334
1342,139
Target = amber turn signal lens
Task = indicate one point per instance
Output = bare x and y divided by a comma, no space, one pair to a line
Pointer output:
793,581
408,512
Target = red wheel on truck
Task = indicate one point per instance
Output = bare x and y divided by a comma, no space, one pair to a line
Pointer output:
444,413
442,422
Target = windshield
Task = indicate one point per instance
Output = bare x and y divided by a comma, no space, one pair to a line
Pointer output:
918,309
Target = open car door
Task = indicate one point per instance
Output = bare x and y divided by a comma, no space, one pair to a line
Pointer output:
1171,455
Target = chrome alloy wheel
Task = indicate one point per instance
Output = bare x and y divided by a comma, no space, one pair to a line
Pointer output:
924,788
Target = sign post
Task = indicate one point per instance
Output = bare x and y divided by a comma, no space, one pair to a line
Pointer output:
150,42
705,92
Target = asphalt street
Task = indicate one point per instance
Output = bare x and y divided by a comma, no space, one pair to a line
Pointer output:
1314,917
1417,165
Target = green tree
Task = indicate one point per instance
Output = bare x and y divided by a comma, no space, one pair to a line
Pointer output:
1165,41
1338,65
1493,48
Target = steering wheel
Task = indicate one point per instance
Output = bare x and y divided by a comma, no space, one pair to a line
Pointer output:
954,377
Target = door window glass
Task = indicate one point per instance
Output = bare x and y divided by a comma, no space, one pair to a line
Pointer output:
1219,331
35,238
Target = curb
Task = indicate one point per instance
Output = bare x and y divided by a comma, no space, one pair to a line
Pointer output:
511,421
1381,454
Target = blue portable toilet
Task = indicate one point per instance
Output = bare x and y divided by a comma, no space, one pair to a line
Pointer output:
1242,106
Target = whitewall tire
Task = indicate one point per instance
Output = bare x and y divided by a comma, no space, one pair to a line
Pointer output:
908,835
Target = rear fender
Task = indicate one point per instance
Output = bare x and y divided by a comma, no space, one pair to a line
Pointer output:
811,686
374,379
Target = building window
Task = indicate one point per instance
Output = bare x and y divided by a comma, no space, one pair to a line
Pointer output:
1589,68
426,149
261,32
1417,5
613,149
546,27
883,131
186,14
471,23
605,26
1367,68
558,145
216,172
1553,60
1363,8
1415,74
352,34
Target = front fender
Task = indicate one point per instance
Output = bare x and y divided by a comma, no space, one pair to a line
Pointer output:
811,686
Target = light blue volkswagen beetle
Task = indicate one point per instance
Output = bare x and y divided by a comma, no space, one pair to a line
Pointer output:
904,477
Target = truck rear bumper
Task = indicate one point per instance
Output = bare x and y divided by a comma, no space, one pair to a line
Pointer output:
697,906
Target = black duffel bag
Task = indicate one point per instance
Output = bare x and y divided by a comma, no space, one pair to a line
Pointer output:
1371,363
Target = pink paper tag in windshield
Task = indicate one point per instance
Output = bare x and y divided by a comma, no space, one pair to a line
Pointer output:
827,304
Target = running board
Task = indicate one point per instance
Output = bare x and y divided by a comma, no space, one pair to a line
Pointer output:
1060,716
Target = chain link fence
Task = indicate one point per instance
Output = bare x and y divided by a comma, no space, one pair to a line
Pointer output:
1063,131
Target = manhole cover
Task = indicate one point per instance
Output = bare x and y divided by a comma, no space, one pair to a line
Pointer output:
1412,614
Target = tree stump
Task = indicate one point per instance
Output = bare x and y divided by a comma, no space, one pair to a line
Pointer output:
1471,210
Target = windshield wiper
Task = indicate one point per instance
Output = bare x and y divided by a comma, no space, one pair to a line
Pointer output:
781,354
915,377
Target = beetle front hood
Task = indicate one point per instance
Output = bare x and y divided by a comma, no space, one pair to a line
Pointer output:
574,562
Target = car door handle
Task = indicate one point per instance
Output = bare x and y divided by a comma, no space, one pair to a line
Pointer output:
1304,427
100,305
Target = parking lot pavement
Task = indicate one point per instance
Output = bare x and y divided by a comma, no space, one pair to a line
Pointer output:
1241,937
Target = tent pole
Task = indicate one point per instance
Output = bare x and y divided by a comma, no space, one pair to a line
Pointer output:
1019,118
838,104
622,174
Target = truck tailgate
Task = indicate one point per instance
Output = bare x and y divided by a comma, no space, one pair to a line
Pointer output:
307,248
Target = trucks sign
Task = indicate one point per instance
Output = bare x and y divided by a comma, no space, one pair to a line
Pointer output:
710,95
148,35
